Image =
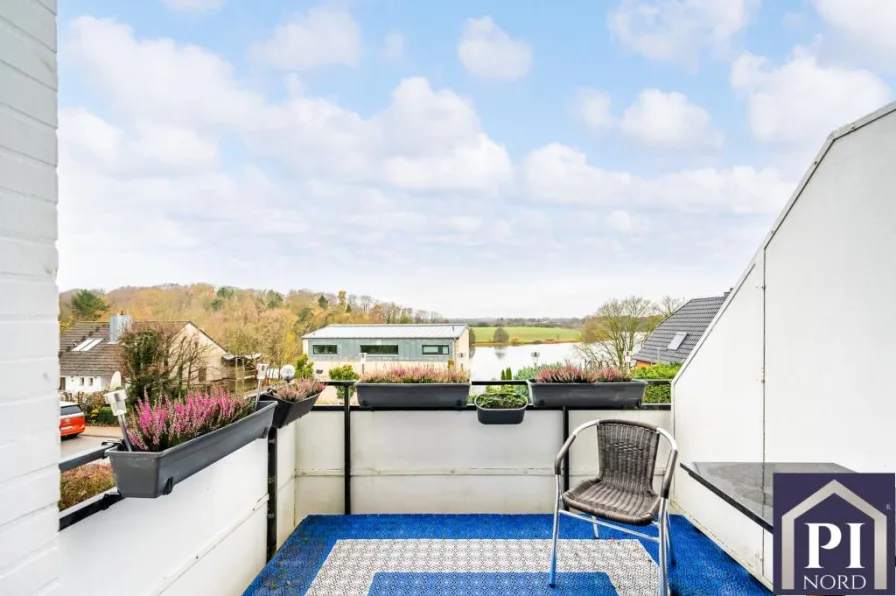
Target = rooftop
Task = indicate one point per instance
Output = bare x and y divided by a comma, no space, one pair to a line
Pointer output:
675,337
84,349
436,331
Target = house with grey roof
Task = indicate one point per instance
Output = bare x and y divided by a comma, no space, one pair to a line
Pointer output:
675,337
89,353
382,345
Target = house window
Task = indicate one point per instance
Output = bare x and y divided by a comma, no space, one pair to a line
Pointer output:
82,380
62,383
435,350
203,374
380,350
86,344
676,341
324,349
90,381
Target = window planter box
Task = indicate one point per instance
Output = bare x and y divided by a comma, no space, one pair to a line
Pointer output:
287,412
148,474
629,394
499,415
413,395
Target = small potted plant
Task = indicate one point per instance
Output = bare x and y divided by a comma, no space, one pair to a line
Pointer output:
294,400
413,387
170,440
570,385
500,405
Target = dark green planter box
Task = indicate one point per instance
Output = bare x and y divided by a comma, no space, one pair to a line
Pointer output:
500,415
413,395
148,475
288,412
594,395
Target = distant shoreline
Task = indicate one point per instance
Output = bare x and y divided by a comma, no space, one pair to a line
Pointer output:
539,342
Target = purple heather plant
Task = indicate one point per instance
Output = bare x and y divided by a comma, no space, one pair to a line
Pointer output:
416,374
299,390
570,373
167,423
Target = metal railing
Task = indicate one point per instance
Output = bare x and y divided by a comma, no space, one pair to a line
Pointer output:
104,500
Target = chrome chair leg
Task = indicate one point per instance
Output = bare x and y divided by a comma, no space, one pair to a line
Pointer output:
662,542
553,580
669,537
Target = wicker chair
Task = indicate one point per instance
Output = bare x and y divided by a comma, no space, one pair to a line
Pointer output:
623,490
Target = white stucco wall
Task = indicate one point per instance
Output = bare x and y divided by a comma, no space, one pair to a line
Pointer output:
73,384
442,462
29,369
796,355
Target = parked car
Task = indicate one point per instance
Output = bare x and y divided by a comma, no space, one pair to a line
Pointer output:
71,419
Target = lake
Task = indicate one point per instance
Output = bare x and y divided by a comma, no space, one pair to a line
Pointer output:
488,361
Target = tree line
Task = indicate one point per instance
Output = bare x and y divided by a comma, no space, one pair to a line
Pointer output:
243,321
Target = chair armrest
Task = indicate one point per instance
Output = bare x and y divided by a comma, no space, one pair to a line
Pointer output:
561,455
670,464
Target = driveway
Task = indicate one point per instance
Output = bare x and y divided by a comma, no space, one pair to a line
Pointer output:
75,445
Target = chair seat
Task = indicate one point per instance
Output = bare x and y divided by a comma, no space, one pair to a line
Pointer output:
635,507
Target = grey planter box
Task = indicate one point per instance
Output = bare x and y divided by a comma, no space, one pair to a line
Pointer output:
287,412
413,395
595,395
147,475
500,416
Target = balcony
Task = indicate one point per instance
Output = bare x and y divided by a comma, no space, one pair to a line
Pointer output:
350,500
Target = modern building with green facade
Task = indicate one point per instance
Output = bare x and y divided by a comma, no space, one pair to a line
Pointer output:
376,346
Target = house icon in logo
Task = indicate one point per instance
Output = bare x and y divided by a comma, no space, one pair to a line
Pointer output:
787,531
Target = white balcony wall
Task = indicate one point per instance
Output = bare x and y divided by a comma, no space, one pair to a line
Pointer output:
207,537
442,461
789,369
29,370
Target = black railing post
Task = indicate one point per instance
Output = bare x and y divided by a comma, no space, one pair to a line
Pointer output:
347,430
566,459
272,494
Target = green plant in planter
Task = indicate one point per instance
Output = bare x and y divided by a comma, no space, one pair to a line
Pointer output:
501,397
345,372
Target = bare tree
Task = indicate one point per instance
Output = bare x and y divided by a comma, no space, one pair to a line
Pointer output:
611,335
668,305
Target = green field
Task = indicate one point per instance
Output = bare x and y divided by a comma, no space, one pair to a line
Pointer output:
528,335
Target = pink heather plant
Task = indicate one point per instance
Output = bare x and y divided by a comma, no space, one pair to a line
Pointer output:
570,373
160,426
416,374
299,390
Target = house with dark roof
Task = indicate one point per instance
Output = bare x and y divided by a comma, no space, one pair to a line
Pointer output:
675,337
89,354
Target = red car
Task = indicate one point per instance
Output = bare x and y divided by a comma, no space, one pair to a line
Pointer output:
71,419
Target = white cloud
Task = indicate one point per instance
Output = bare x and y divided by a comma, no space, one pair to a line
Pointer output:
594,108
194,5
620,220
393,47
321,37
562,175
669,120
802,101
868,25
426,139
676,31
487,51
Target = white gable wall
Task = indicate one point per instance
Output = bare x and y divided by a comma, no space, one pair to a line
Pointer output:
813,317
29,368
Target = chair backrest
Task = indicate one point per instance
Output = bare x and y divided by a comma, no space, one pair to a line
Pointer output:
627,453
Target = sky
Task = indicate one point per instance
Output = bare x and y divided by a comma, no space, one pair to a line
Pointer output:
473,158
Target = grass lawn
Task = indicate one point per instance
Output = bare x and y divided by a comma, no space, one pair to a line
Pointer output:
528,335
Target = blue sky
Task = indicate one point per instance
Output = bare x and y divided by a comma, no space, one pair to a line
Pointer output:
472,158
